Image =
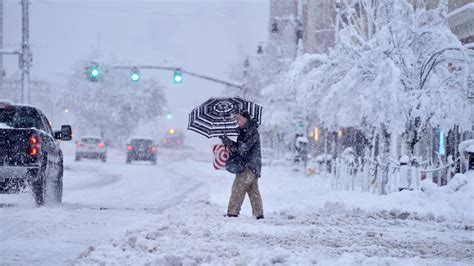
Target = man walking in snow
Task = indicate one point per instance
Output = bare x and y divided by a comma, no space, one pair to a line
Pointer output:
247,150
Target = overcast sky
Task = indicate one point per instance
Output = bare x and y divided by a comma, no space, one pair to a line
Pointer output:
202,36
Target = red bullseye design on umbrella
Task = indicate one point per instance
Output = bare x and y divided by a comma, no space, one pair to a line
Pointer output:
221,155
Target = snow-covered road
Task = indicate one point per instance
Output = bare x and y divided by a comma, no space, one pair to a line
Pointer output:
172,214
101,201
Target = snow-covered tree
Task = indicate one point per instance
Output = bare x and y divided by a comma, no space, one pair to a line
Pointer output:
259,72
396,69
112,106
393,66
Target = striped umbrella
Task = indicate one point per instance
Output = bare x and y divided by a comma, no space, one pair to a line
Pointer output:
216,116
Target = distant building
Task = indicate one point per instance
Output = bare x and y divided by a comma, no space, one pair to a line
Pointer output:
316,20
283,26
461,20
40,94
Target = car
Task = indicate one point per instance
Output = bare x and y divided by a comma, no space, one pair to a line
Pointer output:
91,147
173,138
141,149
30,153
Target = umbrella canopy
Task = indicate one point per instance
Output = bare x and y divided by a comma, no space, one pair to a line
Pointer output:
215,117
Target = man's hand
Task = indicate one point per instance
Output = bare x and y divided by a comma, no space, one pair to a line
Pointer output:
226,141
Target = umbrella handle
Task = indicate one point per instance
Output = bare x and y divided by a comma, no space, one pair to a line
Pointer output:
225,126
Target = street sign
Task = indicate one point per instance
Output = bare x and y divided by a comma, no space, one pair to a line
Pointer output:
441,142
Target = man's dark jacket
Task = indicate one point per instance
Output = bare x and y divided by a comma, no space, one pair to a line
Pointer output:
247,147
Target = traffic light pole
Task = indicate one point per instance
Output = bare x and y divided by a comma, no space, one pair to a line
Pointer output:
170,68
25,56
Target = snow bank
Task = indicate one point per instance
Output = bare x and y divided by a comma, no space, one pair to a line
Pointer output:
305,223
285,190
194,234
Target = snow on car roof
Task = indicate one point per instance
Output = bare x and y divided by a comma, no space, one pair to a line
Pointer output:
90,137
140,137
6,101
467,146
2,125
470,149
23,105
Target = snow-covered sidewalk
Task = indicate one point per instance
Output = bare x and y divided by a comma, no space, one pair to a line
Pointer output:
305,223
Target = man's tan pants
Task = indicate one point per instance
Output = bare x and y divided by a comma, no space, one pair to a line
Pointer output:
246,182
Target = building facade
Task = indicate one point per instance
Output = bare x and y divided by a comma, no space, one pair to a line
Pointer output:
461,20
283,27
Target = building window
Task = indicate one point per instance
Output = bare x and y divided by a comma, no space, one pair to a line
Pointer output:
275,27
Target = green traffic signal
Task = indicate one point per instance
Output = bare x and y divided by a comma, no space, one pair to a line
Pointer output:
178,77
135,75
169,116
94,72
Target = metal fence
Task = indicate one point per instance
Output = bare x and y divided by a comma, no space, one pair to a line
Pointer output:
370,175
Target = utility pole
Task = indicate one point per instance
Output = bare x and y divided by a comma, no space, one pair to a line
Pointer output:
338,10
25,56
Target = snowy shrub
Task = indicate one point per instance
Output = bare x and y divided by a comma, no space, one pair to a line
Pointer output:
456,183
428,186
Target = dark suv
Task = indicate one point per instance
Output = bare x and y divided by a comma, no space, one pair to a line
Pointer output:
141,149
30,155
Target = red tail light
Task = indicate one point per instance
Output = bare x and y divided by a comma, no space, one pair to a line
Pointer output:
34,151
130,148
34,140
153,149
34,146
101,145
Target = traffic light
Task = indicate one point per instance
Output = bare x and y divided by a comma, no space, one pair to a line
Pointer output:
93,72
169,116
178,76
135,75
